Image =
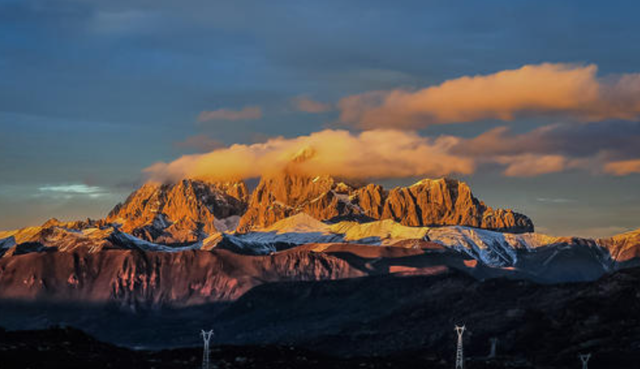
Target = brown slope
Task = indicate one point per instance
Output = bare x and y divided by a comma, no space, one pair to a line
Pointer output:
135,278
624,248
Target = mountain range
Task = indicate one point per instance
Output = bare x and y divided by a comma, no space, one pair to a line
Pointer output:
326,265
195,242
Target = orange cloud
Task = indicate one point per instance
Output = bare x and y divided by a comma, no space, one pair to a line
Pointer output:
623,167
307,105
370,154
531,165
246,113
401,154
533,90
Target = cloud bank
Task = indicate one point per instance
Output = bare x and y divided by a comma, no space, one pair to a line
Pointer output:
556,90
370,154
246,113
594,147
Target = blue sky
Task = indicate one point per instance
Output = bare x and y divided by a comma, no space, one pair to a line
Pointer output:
92,92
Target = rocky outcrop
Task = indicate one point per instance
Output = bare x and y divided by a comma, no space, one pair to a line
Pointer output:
278,197
179,213
447,202
427,203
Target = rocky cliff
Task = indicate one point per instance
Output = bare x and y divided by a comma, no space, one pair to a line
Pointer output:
281,196
180,213
426,203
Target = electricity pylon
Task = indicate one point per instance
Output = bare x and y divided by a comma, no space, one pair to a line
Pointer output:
494,343
585,360
206,337
459,352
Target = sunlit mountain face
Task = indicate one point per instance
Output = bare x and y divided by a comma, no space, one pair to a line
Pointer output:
328,185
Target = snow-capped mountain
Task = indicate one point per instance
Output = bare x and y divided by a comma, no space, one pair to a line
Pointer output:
305,227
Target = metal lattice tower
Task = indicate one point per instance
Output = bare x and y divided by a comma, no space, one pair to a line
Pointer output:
585,360
494,343
459,352
206,337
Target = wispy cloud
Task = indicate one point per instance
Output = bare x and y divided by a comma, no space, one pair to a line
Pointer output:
246,113
68,191
603,147
557,200
200,143
308,105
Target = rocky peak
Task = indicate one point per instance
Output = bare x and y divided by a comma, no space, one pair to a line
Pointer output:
429,202
279,196
181,212
74,225
438,202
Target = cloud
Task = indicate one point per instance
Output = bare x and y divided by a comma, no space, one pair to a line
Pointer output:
544,90
69,191
623,167
307,105
246,113
201,143
598,148
531,165
558,200
370,154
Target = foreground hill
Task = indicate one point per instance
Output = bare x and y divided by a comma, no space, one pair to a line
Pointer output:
379,321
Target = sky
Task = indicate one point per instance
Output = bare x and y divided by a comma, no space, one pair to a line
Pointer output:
534,103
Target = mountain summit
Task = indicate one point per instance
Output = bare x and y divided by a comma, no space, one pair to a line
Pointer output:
429,202
192,210
180,213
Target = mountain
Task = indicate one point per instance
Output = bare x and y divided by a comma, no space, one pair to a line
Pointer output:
180,213
427,203
624,247
292,227
106,265
280,196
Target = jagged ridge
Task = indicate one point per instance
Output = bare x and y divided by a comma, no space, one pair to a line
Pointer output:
427,203
179,213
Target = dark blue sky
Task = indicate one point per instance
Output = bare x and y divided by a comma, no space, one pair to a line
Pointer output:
92,92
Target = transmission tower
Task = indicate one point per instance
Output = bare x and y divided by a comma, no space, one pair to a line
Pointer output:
585,360
494,343
206,337
459,352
